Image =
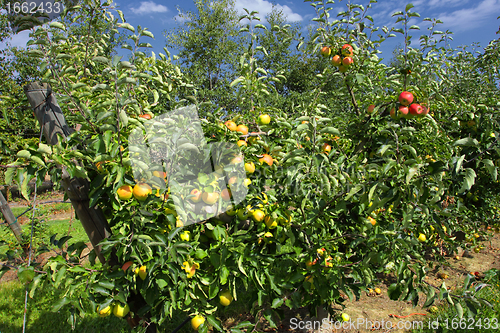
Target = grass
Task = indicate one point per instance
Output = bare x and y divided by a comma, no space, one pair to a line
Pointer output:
47,226
39,317
449,322
60,227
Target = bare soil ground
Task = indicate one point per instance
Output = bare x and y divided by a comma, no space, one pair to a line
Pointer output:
373,308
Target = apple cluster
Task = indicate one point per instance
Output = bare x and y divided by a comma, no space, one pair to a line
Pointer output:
407,109
342,59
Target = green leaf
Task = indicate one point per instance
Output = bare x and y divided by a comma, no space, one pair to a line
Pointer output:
411,149
25,274
224,274
43,148
414,27
103,60
329,130
24,154
353,191
238,80
381,151
430,297
37,160
469,180
244,324
460,310
215,323
35,53
59,304
410,174
126,26
491,168
408,7
240,265
277,302
458,165
101,86
34,285
57,25
466,142
372,190
9,175
147,33
394,291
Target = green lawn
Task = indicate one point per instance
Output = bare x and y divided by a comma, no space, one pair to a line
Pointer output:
40,318
46,227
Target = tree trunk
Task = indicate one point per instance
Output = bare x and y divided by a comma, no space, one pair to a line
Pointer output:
52,120
10,219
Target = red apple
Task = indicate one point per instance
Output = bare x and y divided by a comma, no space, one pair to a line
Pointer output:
416,110
426,110
336,60
393,114
371,107
325,51
145,116
403,111
347,61
405,98
347,50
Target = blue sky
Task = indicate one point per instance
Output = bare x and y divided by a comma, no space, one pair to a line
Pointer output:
469,20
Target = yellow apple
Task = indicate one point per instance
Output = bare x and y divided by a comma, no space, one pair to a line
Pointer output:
225,298
185,236
121,311
197,321
270,222
242,129
210,197
258,215
250,167
231,125
104,312
141,271
141,191
264,119
196,195
124,192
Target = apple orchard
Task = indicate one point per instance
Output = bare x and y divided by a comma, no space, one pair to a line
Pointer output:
371,170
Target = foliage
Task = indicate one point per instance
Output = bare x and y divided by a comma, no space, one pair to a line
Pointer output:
342,215
483,321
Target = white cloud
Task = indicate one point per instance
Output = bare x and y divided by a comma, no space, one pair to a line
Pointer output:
446,3
17,40
265,7
469,18
180,19
149,7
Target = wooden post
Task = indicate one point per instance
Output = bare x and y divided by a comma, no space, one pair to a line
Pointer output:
52,120
10,218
